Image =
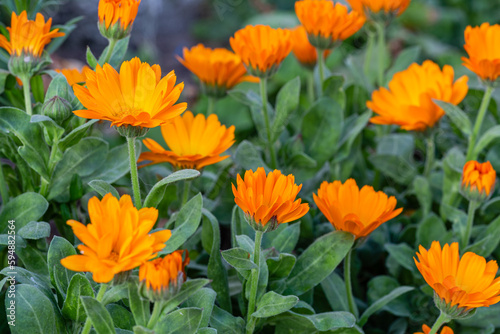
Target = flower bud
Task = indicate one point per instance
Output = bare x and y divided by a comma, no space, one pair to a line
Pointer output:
57,108
478,181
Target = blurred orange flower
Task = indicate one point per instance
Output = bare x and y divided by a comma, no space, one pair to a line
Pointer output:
73,75
118,11
28,37
478,178
408,101
117,239
261,48
269,200
481,44
426,330
194,142
352,210
303,50
395,7
468,282
326,22
136,96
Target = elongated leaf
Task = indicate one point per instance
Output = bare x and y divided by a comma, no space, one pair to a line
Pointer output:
53,130
138,306
35,230
287,101
203,299
226,323
404,60
23,209
91,59
248,157
73,306
382,302
156,193
272,304
280,267
118,53
59,249
33,260
240,260
182,321
403,254
188,289
100,317
334,289
487,241
457,116
431,229
103,188
486,139
422,190
115,294
317,322
286,241
76,135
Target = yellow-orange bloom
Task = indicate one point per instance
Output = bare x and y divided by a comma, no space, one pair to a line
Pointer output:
269,199
303,50
194,142
73,75
218,69
261,48
352,210
118,11
326,22
468,282
391,7
426,330
117,239
481,44
28,37
478,179
137,96
409,100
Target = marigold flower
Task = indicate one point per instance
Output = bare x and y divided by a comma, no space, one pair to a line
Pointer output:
409,100
219,69
163,277
137,96
261,48
352,210
269,200
468,282
387,7
194,142
73,75
303,50
478,180
116,17
426,330
117,239
481,44
326,22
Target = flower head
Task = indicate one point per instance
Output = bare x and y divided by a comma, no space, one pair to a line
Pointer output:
426,330
409,100
137,96
468,282
162,277
478,180
352,210
194,142
269,200
118,238
261,48
116,17
74,76
481,44
303,50
219,69
326,22
377,7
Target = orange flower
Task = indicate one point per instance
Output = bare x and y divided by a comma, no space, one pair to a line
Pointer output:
28,37
481,44
426,330
468,282
352,210
326,22
218,69
162,277
269,199
478,179
195,142
391,7
73,75
136,96
117,239
123,12
303,49
408,101
261,48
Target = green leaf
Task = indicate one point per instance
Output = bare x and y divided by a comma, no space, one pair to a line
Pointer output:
3,79
280,267
188,289
405,58
5,238
240,260
287,101
453,164
104,188
487,241
182,321
33,260
206,330
431,229
318,261
122,318
225,323
272,304
100,317
143,330
286,241
317,322
380,286
23,209
248,157
457,116
37,88
115,294
118,53
76,135
158,191
352,128
486,139
382,302
91,59
59,249
59,87
422,190
139,307
54,131
249,97
483,317
204,299
24,276
334,289
35,230
403,254
73,306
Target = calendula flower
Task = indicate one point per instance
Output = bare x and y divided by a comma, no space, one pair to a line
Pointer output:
371,8
116,17
409,100
303,50
478,180
137,97
117,240
352,210
481,44
460,284
194,142
426,330
327,22
219,69
269,200
74,76
163,277
261,48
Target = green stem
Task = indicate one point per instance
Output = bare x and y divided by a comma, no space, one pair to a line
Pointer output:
133,173
310,87
211,105
255,283
185,191
3,186
263,95
473,205
381,51
157,308
441,320
429,160
479,122
44,189
321,69
111,47
369,52
348,284
27,94
88,323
